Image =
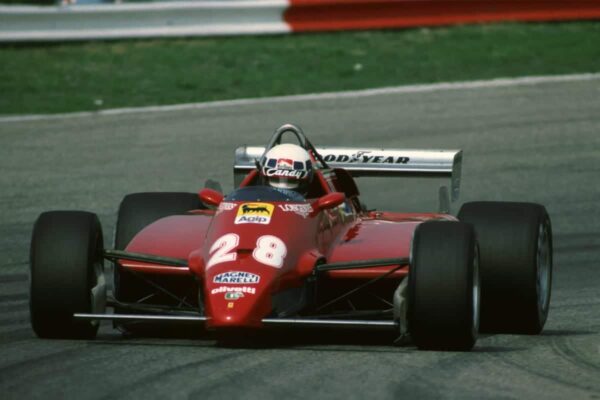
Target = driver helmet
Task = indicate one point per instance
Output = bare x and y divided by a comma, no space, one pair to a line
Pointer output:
288,166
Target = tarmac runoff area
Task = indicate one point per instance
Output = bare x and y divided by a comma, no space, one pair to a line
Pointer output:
527,141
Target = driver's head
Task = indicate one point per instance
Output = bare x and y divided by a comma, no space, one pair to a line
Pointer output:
288,166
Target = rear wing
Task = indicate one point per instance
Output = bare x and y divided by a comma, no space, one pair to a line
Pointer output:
372,162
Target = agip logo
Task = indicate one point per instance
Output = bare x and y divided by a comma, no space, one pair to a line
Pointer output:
254,213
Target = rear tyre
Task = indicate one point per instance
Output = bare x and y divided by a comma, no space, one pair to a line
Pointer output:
137,211
515,241
443,287
66,274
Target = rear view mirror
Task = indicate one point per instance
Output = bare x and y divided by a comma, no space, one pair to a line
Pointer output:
210,197
330,200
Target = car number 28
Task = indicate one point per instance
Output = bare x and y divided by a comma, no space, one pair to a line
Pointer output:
269,250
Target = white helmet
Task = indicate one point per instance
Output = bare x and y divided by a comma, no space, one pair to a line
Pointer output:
287,166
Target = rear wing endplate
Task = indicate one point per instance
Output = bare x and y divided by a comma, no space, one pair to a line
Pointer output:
372,162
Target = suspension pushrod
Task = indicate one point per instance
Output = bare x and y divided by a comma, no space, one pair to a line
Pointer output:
114,255
377,262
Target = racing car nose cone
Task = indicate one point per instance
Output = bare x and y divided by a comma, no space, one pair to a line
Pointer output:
236,306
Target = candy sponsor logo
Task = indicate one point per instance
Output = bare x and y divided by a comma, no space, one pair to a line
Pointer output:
236,277
288,173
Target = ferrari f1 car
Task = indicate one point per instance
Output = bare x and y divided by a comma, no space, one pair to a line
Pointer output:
258,259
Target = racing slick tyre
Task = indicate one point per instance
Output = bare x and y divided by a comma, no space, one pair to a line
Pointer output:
66,274
137,211
443,287
515,242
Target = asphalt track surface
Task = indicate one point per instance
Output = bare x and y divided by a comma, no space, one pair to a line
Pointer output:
537,143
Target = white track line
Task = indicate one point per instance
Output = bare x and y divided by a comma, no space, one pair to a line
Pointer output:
421,88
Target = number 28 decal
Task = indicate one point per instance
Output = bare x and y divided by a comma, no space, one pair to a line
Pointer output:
269,250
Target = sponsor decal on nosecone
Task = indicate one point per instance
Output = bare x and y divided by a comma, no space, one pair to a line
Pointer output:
239,289
233,295
237,277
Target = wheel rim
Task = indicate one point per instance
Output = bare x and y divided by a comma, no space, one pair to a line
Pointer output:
543,268
476,291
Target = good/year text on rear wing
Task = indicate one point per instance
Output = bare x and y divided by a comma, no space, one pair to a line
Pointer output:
360,161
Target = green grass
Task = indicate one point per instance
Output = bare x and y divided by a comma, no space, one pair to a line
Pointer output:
100,75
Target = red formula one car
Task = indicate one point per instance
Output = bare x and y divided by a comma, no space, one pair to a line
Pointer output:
258,258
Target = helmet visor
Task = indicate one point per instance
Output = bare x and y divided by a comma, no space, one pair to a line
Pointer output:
284,182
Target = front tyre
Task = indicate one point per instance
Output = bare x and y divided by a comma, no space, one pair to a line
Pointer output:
515,240
66,274
137,211
443,287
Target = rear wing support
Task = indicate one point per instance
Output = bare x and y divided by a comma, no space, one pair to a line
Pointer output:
374,162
